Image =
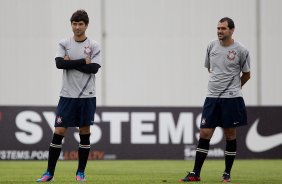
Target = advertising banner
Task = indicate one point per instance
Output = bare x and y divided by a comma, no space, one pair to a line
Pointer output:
136,133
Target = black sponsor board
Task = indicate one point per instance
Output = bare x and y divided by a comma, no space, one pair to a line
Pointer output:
136,133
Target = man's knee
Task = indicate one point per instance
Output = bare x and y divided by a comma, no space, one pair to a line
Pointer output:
84,130
60,131
230,133
206,133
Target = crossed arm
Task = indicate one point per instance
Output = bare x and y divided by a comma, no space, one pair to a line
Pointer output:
82,65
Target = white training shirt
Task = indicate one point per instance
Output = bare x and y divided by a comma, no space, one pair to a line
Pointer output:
76,84
226,65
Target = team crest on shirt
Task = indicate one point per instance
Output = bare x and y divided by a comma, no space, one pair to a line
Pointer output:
231,55
88,51
59,119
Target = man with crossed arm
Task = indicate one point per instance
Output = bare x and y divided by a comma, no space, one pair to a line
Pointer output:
80,59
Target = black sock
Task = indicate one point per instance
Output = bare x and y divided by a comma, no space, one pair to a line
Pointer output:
230,153
54,152
201,154
83,151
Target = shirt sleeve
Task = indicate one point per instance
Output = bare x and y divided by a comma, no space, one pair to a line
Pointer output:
61,50
96,55
207,60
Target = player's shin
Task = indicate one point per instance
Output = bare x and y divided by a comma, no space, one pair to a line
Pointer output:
201,154
54,152
83,151
230,153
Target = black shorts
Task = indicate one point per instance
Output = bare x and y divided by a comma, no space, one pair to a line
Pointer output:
224,112
75,112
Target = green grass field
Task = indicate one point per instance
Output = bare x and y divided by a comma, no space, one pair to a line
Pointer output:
143,171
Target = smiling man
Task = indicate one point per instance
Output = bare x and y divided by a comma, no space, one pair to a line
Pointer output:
79,58
228,63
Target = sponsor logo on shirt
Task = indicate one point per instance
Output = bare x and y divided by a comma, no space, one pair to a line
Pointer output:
213,53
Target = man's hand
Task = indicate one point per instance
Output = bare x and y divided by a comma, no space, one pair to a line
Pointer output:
88,60
66,58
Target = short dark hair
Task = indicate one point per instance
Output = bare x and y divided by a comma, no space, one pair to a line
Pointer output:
230,22
80,15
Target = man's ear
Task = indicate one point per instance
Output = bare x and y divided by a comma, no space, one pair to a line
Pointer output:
232,30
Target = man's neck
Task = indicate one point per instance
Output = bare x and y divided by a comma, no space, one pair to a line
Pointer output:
226,43
79,38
